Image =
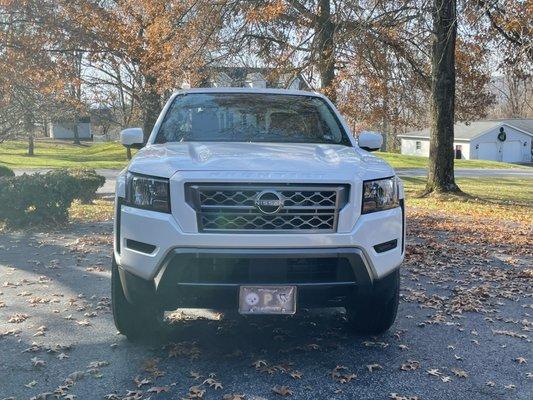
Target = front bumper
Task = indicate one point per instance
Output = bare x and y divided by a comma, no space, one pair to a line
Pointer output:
179,269
210,278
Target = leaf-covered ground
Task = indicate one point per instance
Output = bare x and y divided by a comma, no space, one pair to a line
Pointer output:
463,330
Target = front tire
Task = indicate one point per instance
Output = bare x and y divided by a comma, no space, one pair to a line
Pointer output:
375,313
135,322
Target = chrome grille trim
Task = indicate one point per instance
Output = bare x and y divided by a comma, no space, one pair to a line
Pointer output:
230,208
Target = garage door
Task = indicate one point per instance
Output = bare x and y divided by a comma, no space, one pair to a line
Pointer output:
512,151
487,151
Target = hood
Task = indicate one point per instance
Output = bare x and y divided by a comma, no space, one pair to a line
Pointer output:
164,160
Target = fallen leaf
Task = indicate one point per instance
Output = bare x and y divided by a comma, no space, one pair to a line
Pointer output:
460,373
340,377
196,392
282,390
158,389
295,374
396,396
18,318
233,397
195,375
259,364
140,382
76,376
373,367
410,365
434,372
37,362
212,383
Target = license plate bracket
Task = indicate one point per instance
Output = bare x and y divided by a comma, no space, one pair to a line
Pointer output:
267,300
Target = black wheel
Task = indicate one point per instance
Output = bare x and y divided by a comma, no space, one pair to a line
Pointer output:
375,313
135,322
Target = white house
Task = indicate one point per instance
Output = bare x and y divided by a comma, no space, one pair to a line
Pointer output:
507,140
65,129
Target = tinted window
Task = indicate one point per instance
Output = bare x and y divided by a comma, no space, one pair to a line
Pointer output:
248,117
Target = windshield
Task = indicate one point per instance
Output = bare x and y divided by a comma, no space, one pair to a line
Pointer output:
249,117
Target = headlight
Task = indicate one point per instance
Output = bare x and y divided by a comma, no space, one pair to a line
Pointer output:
147,192
380,194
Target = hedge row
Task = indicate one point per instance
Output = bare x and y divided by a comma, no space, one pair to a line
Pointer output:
5,171
45,198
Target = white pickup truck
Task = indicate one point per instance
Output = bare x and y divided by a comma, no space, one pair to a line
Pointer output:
256,200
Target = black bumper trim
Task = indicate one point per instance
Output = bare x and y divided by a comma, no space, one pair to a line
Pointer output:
167,291
361,269
233,285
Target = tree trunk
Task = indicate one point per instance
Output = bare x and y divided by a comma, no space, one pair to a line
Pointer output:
151,106
31,144
442,107
326,51
128,152
385,124
76,132
28,128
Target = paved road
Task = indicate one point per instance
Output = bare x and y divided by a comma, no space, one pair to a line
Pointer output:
110,174
462,331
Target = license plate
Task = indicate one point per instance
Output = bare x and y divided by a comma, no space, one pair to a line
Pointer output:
267,300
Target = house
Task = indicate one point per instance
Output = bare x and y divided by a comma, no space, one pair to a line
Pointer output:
253,77
507,140
64,129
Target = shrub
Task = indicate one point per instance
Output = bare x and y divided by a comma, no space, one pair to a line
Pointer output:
5,171
88,183
44,198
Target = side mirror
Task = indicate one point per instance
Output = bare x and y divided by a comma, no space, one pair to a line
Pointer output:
132,137
370,141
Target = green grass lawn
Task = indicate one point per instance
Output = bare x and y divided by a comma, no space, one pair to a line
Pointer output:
64,154
495,198
512,191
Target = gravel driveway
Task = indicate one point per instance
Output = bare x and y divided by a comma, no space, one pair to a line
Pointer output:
463,330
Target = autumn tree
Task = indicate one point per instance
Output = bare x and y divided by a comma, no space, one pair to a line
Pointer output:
319,37
515,93
506,20
372,57
142,49
506,23
31,82
503,27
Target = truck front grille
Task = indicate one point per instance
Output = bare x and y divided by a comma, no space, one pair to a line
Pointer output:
285,208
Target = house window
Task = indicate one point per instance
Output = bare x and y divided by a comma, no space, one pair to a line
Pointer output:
418,145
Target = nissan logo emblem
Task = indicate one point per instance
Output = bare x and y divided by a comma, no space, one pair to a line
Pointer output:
269,202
